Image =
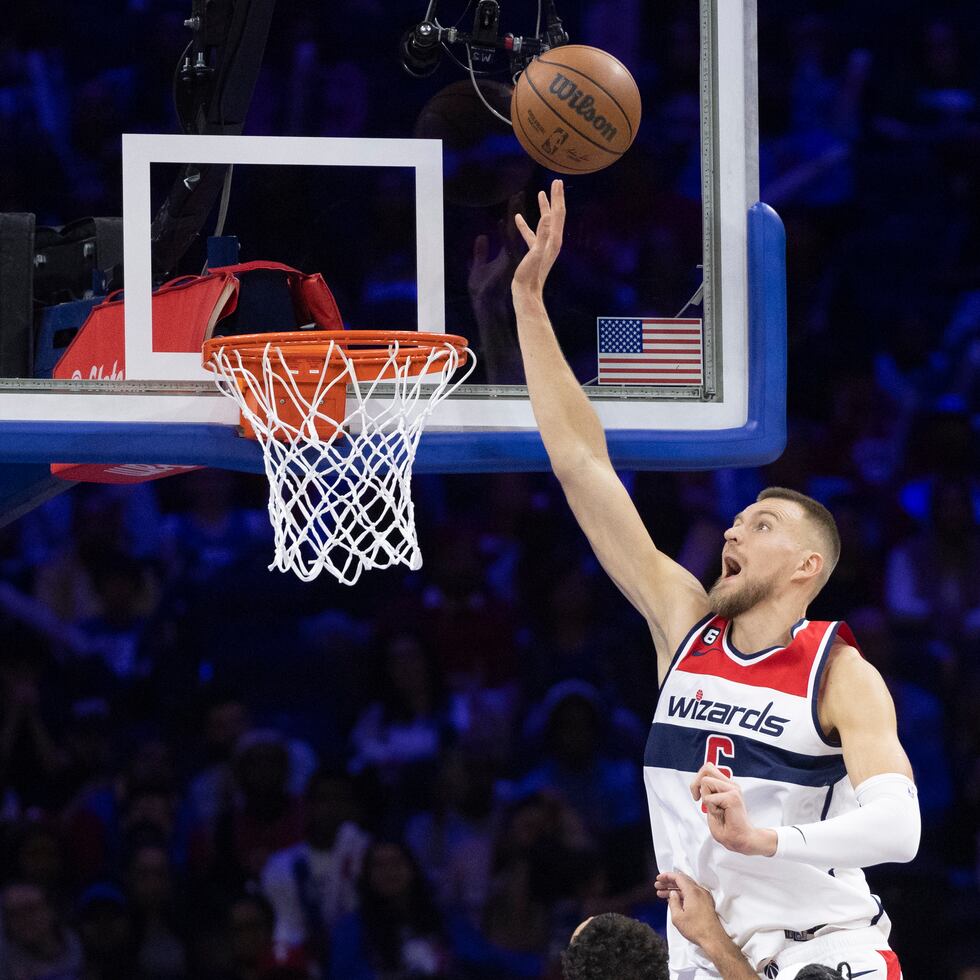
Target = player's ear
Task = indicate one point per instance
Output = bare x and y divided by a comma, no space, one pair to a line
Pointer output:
810,566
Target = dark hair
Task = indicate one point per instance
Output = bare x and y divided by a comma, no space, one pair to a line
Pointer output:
818,515
258,901
393,701
384,924
816,971
615,946
327,775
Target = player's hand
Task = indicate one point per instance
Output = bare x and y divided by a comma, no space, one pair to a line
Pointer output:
486,275
489,278
692,910
728,819
544,243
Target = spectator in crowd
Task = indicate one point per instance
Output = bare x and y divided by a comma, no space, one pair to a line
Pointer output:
397,738
213,532
453,839
36,855
264,818
314,883
35,943
104,522
161,952
397,932
108,934
604,792
211,791
539,856
102,813
247,944
931,581
31,760
115,633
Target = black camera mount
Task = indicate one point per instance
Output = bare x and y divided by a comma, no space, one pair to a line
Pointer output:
422,46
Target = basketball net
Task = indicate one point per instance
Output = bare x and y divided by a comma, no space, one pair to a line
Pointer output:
339,480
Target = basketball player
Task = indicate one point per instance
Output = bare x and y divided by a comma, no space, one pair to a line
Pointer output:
611,946
773,767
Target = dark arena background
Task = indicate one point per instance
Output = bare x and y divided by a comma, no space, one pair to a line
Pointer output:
174,717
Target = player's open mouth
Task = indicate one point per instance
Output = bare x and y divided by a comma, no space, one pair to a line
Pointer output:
732,567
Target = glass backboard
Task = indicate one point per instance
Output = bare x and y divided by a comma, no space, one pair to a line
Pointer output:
399,226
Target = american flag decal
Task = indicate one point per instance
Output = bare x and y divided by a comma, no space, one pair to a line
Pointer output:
650,351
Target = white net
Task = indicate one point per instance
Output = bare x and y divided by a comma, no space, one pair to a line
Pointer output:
340,480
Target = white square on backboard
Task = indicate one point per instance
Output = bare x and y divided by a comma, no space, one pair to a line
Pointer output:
140,151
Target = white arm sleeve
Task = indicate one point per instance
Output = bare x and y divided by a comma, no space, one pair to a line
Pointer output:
885,827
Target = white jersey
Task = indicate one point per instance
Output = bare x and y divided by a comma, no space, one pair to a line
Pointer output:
755,717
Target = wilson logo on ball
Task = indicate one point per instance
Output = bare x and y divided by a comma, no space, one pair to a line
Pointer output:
567,91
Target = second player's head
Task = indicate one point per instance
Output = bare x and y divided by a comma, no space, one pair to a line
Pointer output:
612,945
785,542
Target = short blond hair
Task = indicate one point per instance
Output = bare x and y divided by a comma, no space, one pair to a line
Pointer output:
819,518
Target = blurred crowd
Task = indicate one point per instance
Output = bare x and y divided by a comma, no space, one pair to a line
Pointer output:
208,770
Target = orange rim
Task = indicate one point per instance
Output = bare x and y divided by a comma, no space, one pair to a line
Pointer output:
363,347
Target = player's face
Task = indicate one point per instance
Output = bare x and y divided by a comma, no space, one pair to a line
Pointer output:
762,549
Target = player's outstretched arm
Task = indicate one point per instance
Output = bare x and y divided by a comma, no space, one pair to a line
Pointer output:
692,911
668,596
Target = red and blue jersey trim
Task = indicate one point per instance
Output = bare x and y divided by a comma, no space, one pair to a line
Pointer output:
681,747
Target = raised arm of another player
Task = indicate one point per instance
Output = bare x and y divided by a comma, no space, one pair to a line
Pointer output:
668,596
692,911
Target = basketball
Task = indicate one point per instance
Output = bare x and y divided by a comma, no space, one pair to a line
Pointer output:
575,109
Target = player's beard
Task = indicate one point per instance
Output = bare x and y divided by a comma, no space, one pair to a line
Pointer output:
731,602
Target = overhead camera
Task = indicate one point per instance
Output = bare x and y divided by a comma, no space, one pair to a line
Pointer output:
421,47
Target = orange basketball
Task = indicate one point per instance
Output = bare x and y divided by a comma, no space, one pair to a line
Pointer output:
575,109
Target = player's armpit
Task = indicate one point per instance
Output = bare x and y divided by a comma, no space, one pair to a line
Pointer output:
669,597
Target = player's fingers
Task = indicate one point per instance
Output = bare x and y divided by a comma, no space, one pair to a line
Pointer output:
718,784
710,769
682,882
524,229
689,890
714,785
558,199
720,801
705,772
544,203
675,902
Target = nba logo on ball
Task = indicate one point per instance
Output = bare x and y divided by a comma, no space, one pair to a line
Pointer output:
575,109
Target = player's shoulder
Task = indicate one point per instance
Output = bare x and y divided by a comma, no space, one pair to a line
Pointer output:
849,672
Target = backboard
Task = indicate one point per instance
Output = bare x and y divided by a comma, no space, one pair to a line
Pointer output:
391,246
